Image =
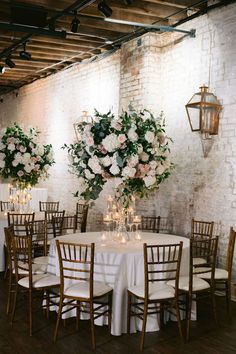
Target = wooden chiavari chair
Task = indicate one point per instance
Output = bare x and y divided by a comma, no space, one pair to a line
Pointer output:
76,263
37,229
29,280
49,215
161,264
223,276
82,215
48,206
18,221
64,225
150,223
6,206
201,229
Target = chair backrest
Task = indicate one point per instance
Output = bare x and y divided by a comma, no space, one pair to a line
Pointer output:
230,252
161,263
201,229
205,248
37,229
150,223
22,251
6,206
82,215
64,225
18,221
76,262
48,206
165,226
9,233
49,216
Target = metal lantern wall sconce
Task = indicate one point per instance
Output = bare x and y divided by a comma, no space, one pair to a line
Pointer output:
203,111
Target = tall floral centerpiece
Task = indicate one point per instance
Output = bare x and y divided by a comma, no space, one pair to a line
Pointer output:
24,160
132,149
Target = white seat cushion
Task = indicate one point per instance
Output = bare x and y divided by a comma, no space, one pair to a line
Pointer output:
219,273
157,291
198,283
36,268
199,261
81,289
43,260
40,281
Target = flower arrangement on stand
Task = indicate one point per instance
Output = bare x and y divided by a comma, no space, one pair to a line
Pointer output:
131,148
24,160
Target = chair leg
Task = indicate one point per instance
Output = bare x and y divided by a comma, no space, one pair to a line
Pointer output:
145,312
30,312
9,295
47,304
77,314
179,319
58,318
188,315
109,312
128,312
228,297
213,301
161,315
92,325
14,304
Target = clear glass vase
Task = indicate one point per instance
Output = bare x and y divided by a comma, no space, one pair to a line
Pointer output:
20,196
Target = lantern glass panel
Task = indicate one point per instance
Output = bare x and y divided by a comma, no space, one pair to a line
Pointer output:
193,113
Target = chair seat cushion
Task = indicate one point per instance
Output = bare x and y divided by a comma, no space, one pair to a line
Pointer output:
199,261
36,268
40,281
81,289
157,291
219,273
43,260
198,283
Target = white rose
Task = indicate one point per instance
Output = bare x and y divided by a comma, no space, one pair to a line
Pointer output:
93,163
82,164
132,135
28,168
106,161
153,164
11,147
40,150
110,142
2,164
2,156
76,160
149,136
144,157
133,161
15,163
82,185
129,172
114,169
2,146
25,158
149,180
88,174
140,149
160,169
46,167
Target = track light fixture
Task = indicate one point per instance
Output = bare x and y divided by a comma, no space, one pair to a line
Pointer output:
2,69
25,55
10,63
104,9
75,23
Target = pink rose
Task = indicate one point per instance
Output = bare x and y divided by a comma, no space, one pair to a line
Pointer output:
121,138
142,170
161,139
10,140
20,173
102,149
90,141
106,175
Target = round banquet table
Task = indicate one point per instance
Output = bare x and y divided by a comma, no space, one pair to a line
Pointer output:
121,266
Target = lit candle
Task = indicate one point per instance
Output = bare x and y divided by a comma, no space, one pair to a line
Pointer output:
123,240
136,219
106,218
138,237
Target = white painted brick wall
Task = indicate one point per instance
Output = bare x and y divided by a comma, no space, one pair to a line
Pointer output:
160,74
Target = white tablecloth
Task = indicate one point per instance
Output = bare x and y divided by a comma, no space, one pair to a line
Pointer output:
120,266
38,194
